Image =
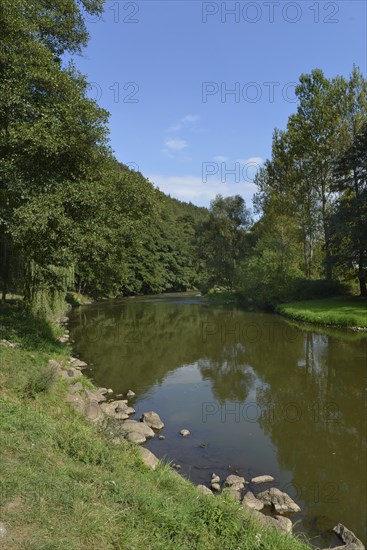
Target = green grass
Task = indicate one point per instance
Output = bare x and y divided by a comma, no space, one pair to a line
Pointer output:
64,485
348,311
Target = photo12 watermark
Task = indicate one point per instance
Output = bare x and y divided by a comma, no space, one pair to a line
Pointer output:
116,11
269,12
252,412
248,92
127,92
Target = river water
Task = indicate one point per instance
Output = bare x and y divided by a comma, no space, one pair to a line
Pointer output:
260,395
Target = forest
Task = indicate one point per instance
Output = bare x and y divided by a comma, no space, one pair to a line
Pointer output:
75,219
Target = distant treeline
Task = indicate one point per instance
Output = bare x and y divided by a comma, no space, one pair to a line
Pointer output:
73,218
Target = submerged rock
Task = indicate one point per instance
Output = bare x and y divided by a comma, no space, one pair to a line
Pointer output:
281,502
261,479
347,536
152,420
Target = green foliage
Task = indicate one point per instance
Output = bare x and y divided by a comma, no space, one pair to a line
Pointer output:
305,289
346,312
315,183
40,381
222,241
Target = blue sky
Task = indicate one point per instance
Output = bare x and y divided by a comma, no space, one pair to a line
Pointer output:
165,71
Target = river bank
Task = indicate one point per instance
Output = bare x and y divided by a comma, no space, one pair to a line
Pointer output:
64,479
336,311
342,311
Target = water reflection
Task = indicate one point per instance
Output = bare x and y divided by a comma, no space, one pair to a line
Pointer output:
279,399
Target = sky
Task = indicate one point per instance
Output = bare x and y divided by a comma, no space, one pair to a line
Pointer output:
195,89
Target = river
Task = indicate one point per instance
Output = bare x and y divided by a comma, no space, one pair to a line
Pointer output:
260,395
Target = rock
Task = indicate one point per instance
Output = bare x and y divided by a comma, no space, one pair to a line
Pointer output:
204,490
215,487
261,479
130,394
78,363
135,437
148,458
233,491
96,395
185,432
109,391
2,530
235,480
55,365
8,344
347,536
215,478
76,401
116,410
92,411
130,410
74,388
281,502
278,522
252,502
176,466
136,431
161,437
152,420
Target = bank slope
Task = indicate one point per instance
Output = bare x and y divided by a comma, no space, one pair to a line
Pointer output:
350,311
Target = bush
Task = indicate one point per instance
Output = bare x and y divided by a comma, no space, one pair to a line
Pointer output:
40,381
305,289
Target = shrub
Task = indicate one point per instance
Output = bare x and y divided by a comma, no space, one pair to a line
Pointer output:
40,381
305,289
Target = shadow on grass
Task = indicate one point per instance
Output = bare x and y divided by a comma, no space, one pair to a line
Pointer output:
33,333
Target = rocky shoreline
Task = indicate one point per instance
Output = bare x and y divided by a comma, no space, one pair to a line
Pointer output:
268,507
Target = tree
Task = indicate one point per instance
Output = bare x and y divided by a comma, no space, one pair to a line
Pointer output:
350,221
52,138
222,238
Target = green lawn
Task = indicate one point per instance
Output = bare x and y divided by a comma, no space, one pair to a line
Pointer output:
345,311
64,485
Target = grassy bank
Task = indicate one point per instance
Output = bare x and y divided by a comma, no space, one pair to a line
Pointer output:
64,484
348,311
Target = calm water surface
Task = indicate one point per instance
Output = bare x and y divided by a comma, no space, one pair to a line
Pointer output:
260,395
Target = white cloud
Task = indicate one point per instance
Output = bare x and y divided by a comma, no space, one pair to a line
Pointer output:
194,189
176,144
190,118
220,158
175,128
251,160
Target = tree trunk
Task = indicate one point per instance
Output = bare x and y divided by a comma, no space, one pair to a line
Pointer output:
326,231
5,271
362,275
362,285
